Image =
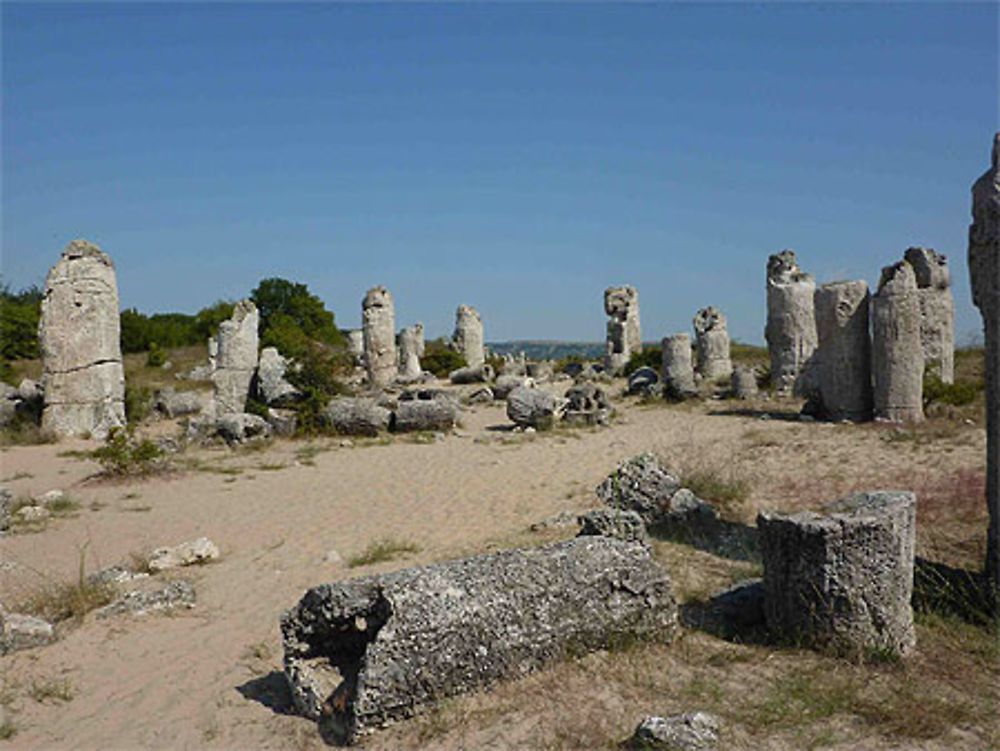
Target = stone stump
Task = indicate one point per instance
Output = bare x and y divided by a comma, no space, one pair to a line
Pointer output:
937,311
409,340
236,360
678,370
744,383
844,351
623,337
379,334
897,354
79,337
984,272
791,324
712,344
843,580
468,337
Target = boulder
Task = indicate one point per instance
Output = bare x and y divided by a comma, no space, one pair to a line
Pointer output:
507,383
712,344
642,379
692,731
6,507
283,422
176,403
176,594
19,631
533,408
361,416
624,525
481,373
241,427
478,395
744,382
437,414
410,342
189,553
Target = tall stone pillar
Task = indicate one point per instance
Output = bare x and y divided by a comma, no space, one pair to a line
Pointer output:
984,272
468,337
678,371
409,351
79,335
379,331
937,311
791,324
844,351
712,344
623,334
237,358
897,354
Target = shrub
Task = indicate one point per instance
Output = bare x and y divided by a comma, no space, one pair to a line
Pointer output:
122,456
316,378
957,394
440,359
19,314
650,357
291,317
156,356
138,403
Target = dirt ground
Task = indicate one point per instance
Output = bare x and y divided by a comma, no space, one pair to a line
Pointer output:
290,516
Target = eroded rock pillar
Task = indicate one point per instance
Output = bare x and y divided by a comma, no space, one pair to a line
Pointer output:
379,333
791,324
844,351
468,337
236,359
712,344
937,311
623,337
409,351
897,354
678,370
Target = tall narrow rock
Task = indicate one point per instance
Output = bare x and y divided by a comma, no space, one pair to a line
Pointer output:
379,328
79,335
712,344
623,335
844,351
678,370
897,354
409,340
937,311
791,324
237,359
984,272
468,337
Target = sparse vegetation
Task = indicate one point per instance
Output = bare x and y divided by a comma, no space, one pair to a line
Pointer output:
67,601
123,456
649,357
53,690
378,551
440,359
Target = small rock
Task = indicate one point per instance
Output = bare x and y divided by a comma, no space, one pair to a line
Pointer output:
692,731
19,631
32,513
625,525
175,594
52,496
185,554
347,443
239,427
333,558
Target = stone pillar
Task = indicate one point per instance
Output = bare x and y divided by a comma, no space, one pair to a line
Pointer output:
844,579
791,325
744,382
712,344
79,336
379,327
356,345
468,337
623,335
418,333
897,355
236,360
409,352
937,311
844,351
984,272
678,372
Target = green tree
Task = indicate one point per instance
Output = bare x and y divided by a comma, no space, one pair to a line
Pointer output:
19,314
290,316
207,320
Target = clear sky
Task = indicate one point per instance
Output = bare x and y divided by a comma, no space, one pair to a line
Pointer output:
515,157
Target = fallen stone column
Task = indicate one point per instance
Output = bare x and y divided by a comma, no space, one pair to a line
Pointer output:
468,337
844,351
363,652
984,272
937,311
843,580
361,416
623,338
712,344
379,334
897,355
481,373
791,323
236,359
424,414
678,370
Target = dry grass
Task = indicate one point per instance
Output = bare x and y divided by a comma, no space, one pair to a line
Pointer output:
378,551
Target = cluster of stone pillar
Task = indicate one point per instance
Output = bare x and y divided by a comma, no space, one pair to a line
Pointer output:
623,337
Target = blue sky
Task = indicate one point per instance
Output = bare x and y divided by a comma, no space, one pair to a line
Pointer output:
515,157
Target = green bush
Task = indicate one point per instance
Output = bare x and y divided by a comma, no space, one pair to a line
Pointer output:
19,314
122,456
138,403
156,356
291,317
316,377
957,394
650,357
440,359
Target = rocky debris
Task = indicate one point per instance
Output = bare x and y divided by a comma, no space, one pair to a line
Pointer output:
843,354
540,370
237,359
468,337
19,631
624,525
6,505
356,345
79,338
113,576
533,408
174,403
641,380
49,497
507,383
791,325
189,553
364,652
175,594
410,342
897,352
984,273
937,311
25,401
692,731
481,373
242,427
283,422
32,513
272,388
479,395
712,344
744,382
587,405
678,370
357,416
844,579
379,329
623,337
514,365
421,414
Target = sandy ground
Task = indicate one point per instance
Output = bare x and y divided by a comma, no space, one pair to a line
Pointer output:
204,678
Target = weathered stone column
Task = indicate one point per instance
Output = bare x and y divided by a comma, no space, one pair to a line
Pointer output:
79,335
844,351
364,652
409,352
937,311
791,324
678,372
712,344
897,355
237,359
623,334
379,328
984,272
843,580
468,337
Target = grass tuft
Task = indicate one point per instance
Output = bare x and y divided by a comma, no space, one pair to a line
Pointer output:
378,551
